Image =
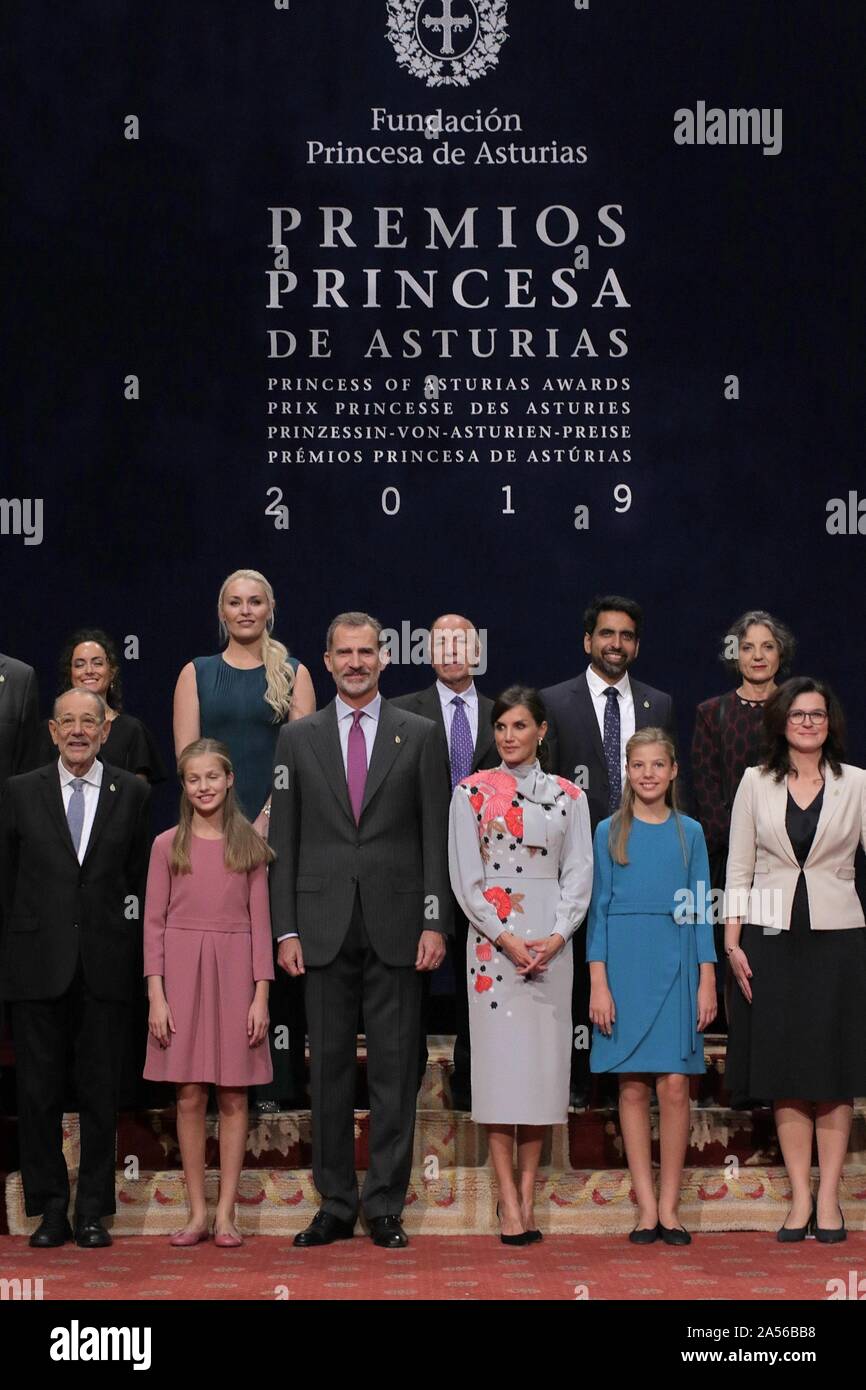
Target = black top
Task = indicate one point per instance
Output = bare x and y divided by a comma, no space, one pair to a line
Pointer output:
129,745
801,826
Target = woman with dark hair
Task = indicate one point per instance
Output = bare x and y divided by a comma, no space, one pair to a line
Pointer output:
90,661
757,652
795,941
520,852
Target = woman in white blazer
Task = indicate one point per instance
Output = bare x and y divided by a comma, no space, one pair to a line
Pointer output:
796,944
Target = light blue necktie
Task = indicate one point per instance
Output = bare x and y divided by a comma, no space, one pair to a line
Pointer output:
75,811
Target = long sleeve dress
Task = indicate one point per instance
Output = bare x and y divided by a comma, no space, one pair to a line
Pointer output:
642,925
520,854
208,934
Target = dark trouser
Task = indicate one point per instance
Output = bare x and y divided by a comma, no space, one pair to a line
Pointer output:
461,1079
391,998
85,1033
580,990
288,1025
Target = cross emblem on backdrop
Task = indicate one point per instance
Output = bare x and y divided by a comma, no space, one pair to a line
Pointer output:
447,23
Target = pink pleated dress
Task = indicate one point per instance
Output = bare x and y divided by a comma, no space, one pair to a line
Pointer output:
208,934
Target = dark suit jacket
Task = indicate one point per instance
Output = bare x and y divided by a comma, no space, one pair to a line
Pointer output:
52,906
574,740
396,857
428,705
19,717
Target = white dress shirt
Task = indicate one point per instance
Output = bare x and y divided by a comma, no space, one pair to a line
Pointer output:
470,699
369,726
597,688
92,782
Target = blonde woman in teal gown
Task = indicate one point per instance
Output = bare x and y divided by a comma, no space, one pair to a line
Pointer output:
651,961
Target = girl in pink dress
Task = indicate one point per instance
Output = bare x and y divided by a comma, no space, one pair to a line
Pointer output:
208,960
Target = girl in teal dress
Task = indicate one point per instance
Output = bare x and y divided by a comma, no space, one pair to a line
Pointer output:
651,961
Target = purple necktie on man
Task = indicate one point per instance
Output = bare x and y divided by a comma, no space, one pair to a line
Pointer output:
356,764
462,747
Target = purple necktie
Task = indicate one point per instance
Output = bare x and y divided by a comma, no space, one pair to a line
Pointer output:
356,764
462,748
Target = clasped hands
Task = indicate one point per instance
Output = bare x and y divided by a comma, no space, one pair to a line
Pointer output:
530,958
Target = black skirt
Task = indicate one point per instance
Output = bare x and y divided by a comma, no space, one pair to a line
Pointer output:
803,1037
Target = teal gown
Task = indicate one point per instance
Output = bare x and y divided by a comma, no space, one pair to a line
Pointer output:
652,945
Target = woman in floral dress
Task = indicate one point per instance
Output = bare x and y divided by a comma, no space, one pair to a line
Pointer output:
520,851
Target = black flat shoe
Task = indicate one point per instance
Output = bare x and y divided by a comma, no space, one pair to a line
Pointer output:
54,1230
534,1236
788,1235
674,1235
387,1232
645,1235
90,1234
324,1229
833,1235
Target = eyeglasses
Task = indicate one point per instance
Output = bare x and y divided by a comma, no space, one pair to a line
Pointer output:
815,716
87,721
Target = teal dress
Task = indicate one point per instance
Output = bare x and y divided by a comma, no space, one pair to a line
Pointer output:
233,708
643,926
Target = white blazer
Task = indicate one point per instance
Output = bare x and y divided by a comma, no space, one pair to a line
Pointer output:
763,869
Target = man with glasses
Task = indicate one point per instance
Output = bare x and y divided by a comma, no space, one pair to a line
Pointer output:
73,859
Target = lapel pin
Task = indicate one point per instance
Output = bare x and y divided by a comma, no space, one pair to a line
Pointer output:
646,704
112,787
396,738
2,679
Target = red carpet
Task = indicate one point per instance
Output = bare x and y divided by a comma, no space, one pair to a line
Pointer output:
748,1266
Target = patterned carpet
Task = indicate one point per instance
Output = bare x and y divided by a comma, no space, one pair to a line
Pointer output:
745,1266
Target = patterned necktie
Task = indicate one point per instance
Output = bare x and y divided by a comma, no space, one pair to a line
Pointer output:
462,748
356,764
612,749
75,811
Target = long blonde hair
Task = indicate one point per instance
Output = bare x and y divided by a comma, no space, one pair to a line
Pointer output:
244,847
623,819
279,674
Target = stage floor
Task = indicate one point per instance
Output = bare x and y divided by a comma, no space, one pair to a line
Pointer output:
748,1266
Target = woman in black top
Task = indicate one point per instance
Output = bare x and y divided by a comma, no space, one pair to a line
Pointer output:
90,661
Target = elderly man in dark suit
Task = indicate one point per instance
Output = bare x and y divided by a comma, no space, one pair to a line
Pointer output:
591,719
73,860
360,902
463,715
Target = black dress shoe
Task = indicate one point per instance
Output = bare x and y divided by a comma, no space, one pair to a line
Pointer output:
90,1233
788,1234
324,1229
54,1230
829,1235
388,1232
645,1235
674,1235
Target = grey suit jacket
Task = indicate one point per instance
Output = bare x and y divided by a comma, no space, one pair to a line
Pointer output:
396,857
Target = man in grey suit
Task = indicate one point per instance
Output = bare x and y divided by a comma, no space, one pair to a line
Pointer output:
360,903
463,714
